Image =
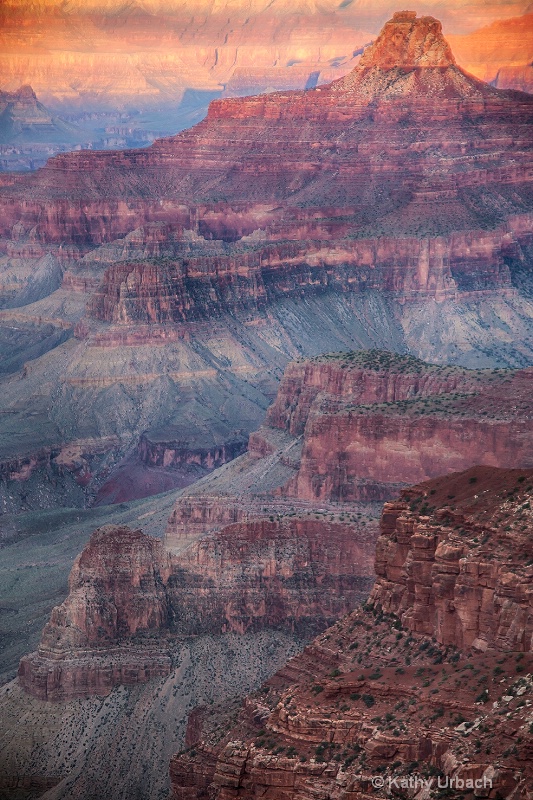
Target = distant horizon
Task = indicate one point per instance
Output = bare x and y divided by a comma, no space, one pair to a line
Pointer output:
458,17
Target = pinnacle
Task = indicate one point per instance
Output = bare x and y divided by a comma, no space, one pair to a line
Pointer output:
409,41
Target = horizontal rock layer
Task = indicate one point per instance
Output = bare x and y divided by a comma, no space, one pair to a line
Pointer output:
170,453
406,133
128,596
458,574
374,419
377,696
199,288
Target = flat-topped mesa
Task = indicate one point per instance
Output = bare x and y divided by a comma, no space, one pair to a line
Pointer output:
130,597
371,421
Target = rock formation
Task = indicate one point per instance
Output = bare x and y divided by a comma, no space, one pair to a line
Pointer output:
460,575
129,598
24,118
374,110
381,702
277,539
371,420
179,290
106,56
194,269
250,551
116,595
497,50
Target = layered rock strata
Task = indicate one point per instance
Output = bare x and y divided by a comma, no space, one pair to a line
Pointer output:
162,451
104,57
376,705
360,149
501,49
278,538
371,420
352,209
115,595
188,289
130,598
100,58
455,571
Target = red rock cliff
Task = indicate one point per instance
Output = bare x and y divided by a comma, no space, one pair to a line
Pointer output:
178,290
116,596
454,571
370,421
381,703
129,596
407,133
296,574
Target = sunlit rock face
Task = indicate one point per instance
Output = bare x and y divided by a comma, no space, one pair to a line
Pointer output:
109,56
407,77
499,53
390,208
406,147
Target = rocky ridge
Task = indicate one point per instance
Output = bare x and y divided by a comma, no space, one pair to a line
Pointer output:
187,289
371,420
282,537
381,703
399,79
186,284
130,599
150,54
145,57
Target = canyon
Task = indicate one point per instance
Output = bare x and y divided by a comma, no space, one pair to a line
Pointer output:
426,688
95,58
295,576
311,303
263,553
102,56
156,295
24,118
499,53
137,73
30,132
